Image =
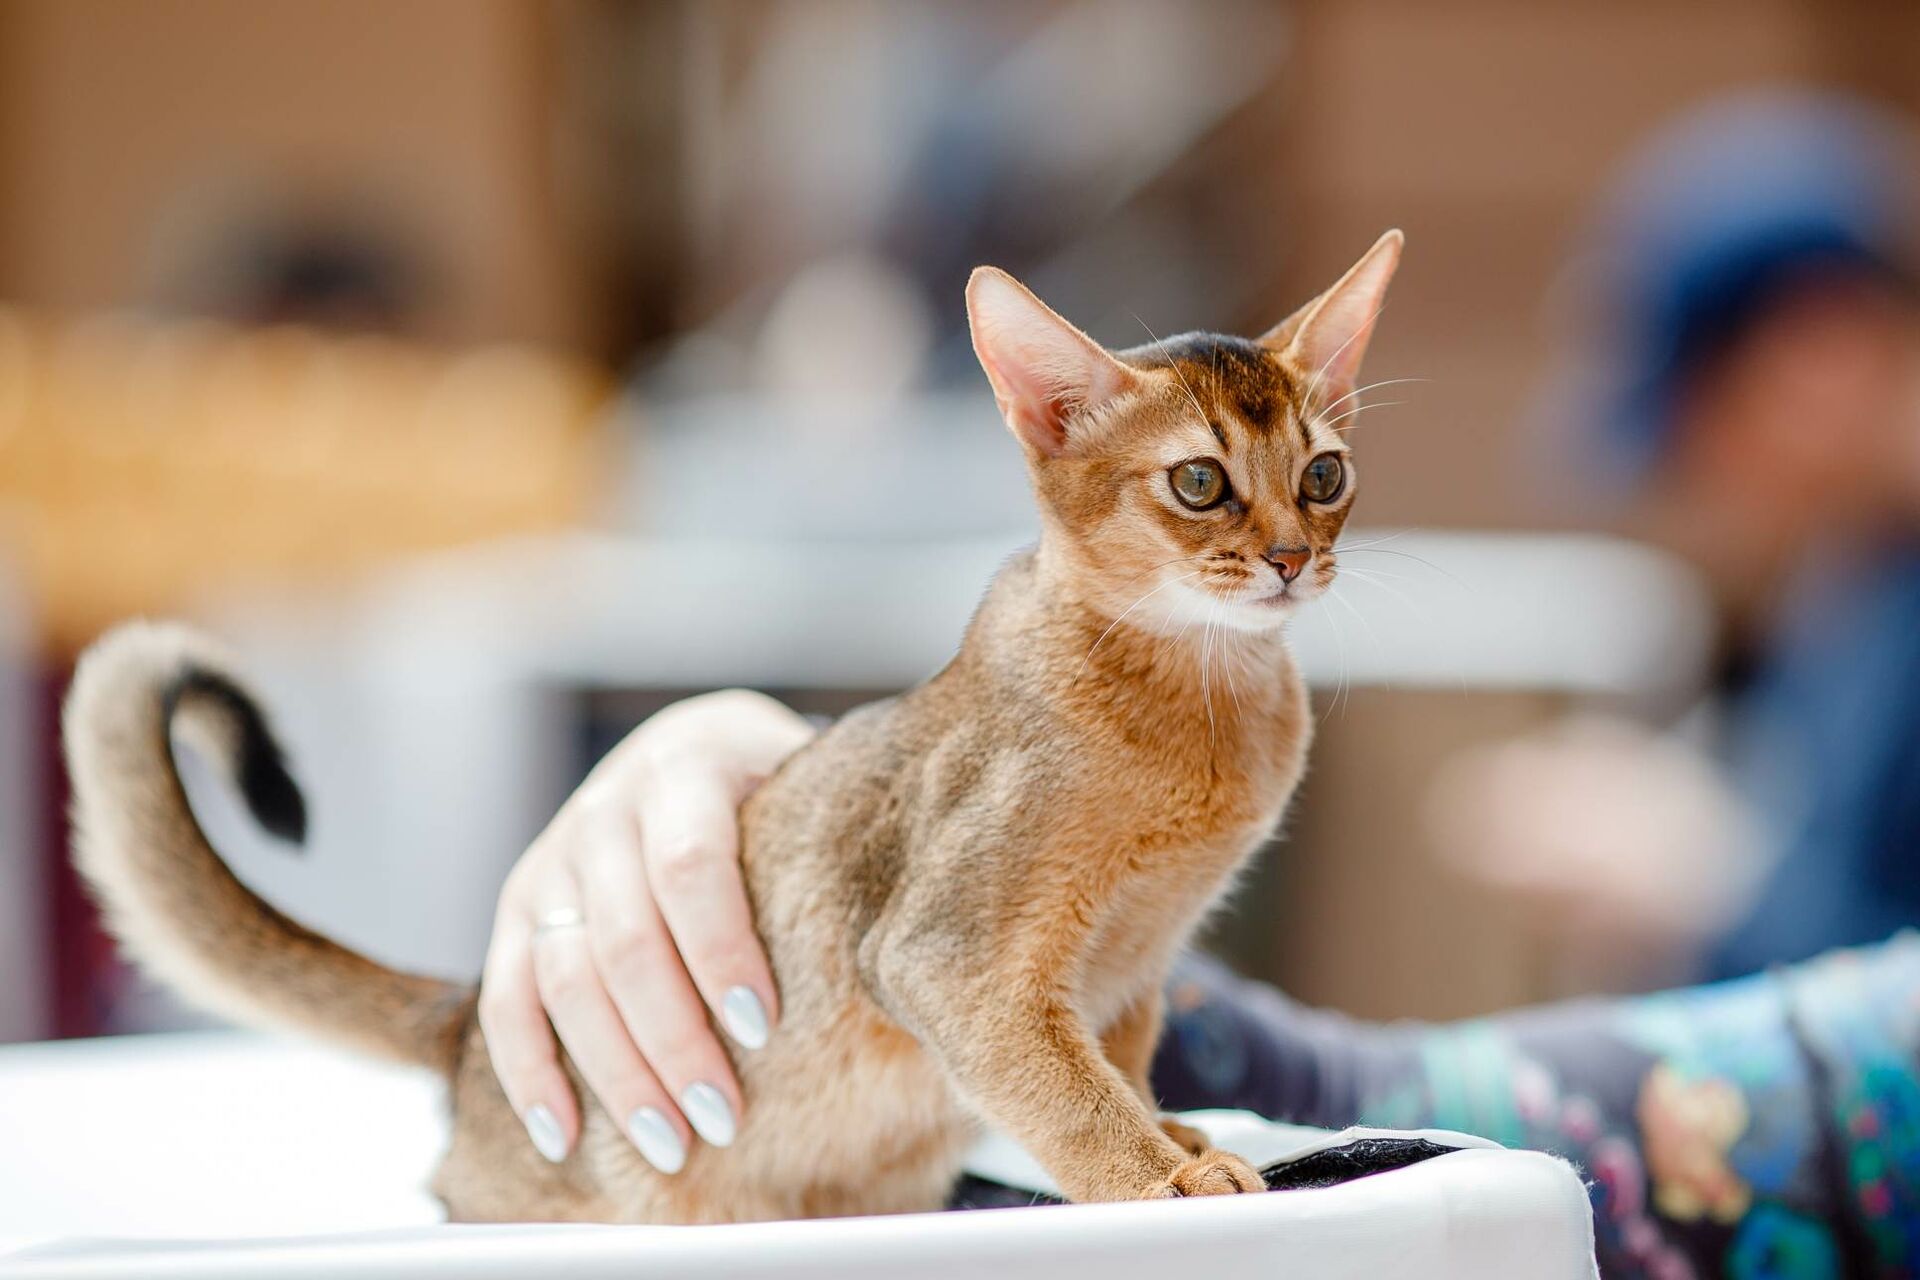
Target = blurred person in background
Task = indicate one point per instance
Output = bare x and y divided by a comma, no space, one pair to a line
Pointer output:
1753,385
1762,1127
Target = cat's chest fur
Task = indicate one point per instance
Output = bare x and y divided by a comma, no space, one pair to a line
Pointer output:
1178,813
1190,756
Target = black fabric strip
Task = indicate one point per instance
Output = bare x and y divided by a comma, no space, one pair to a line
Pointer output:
1358,1159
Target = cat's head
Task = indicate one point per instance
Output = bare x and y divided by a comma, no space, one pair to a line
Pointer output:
1203,478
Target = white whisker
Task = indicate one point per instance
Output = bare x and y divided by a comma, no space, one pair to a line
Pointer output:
1362,575
1313,385
1361,618
1206,653
1421,613
1340,636
1191,398
1198,555
1359,408
1378,573
1371,386
1169,646
1425,618
1123,617
1372,542
1408,555
1226,669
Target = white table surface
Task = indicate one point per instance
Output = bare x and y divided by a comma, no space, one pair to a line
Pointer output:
223,1154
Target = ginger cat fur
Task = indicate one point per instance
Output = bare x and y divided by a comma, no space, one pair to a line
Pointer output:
970,893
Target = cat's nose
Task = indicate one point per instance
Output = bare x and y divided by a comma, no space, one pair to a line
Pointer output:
1289,560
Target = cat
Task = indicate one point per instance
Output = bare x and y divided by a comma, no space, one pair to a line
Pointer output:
970,893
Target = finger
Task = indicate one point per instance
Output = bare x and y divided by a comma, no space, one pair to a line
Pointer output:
635,957
520,1043
690,828
602,1051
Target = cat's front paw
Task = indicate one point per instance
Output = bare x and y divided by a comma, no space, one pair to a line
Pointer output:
1191,1140
1211,1173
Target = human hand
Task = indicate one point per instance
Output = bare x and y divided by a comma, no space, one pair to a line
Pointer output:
622,918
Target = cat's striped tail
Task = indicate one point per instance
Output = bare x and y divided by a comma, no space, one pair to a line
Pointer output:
167,894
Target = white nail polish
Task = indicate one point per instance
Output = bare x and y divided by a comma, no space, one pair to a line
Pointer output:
744,1018
656,1140
707,1111
545,1131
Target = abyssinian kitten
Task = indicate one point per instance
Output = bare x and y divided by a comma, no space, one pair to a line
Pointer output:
970,893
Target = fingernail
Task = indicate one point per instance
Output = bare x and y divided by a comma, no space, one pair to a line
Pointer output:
548,1139
656,1140
707,1111
744,1017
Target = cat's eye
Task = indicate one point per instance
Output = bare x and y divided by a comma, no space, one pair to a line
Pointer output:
1325,478
1200,484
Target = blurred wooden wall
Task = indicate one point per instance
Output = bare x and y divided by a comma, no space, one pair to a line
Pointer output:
122,125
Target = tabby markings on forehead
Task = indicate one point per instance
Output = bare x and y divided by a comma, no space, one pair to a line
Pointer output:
1234,373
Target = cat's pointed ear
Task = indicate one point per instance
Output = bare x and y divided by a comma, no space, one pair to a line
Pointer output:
1043,370
1327,338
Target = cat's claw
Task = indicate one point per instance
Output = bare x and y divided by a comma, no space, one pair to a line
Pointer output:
1212,1173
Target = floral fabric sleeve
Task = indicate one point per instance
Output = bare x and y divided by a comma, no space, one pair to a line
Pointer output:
1765,1127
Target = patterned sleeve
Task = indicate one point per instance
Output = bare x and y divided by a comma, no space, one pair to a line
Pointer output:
1765,1127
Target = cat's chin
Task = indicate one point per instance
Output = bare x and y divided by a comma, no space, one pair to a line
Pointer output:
1250,614
1267,612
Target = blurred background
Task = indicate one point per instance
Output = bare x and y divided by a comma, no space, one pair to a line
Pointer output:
492,372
